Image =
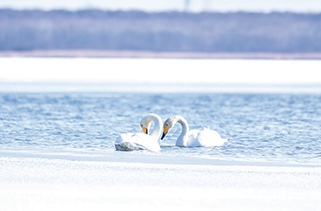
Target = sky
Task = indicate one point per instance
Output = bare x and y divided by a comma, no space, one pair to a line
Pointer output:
170,5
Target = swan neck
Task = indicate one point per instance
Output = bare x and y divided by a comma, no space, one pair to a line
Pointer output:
156,132
182,139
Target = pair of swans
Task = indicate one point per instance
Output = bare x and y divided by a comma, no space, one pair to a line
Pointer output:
187,138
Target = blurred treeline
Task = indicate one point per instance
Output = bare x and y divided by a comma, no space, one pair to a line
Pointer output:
168,31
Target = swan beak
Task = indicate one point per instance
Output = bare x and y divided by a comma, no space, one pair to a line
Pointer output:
145,129
165,132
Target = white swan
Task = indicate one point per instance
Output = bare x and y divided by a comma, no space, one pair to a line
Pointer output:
193,138
142,141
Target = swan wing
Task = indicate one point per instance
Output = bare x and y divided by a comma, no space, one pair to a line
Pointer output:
207,137
137,141
193,138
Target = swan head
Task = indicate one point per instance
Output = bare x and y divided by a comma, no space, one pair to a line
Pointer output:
145,123
168,124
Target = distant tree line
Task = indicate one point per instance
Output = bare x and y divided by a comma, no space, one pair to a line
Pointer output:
164,31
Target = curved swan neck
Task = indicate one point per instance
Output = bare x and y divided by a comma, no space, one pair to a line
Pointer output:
156,132
182,139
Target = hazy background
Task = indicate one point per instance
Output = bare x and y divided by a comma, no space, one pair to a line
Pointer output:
165,5
234,26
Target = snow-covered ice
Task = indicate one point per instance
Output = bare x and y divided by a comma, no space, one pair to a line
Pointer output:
145,181
165,70
158,75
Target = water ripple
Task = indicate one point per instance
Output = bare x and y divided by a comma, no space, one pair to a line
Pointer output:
276,127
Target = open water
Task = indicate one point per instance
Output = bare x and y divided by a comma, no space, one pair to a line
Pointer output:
259,127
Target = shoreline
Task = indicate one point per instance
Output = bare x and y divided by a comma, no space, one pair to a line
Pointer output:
165,55
142,157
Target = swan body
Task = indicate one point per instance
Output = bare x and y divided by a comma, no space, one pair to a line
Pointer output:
142,141
193,138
